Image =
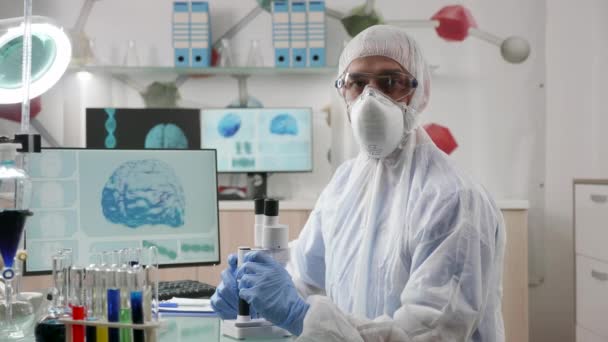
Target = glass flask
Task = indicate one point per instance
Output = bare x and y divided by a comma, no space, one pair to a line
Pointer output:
17,316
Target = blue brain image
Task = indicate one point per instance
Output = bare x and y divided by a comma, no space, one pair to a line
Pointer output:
284,124
229,125
144,192
166,136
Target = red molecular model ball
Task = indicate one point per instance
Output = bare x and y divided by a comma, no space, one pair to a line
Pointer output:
442,137
454,22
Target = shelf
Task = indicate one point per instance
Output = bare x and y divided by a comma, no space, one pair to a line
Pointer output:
212,71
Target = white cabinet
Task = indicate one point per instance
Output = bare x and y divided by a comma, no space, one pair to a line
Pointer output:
584,335
591,249
591,220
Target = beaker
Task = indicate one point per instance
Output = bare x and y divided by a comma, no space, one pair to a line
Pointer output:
131,57
225,53
255,57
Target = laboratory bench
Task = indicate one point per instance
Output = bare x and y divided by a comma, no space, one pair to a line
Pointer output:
193,329
236,222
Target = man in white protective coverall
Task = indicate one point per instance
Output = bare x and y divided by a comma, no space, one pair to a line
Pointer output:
401,246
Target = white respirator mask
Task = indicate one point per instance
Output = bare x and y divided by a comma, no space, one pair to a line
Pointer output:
379,123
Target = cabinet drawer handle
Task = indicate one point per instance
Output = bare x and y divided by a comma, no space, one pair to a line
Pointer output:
601,276
599,198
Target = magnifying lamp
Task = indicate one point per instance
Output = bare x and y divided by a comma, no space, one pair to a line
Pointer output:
51,54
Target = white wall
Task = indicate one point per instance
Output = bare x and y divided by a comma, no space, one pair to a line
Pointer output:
577,119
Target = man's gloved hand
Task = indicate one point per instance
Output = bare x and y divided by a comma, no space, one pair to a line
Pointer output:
225,299
268,287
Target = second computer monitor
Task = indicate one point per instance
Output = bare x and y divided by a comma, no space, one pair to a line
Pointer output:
259,139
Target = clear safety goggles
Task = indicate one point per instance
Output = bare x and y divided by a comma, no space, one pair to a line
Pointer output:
396,85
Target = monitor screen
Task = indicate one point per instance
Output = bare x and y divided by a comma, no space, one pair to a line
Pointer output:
102,200
259,139
139,128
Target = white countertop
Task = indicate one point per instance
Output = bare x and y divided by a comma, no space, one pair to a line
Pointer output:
309,205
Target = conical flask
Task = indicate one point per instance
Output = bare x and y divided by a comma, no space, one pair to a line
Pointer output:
16,315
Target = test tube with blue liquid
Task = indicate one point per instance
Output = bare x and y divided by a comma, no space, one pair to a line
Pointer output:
137,283
113,302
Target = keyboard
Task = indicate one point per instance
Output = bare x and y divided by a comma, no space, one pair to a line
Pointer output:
184,289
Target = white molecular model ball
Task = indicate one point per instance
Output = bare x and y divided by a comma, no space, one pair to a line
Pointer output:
515,49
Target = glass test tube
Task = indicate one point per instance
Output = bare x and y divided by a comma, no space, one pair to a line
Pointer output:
102,288
122,278
66,265
92,303
137,283
113,301
151,289
134,256
77,275
56,308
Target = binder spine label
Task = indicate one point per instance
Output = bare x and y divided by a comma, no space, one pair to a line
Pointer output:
181,33
280,33
316,33
200,34
298,34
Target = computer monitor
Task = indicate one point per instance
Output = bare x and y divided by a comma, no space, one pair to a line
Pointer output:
98,200
259,140
139,128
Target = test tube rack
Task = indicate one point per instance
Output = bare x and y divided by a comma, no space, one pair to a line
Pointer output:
149,328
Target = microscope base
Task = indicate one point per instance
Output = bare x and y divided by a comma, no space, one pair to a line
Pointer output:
256,328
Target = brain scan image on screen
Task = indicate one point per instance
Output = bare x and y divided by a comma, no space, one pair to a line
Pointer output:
94,200
259,139
284,124
229,125
144,192
166,136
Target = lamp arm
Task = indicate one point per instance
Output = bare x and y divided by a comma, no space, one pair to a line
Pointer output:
26,71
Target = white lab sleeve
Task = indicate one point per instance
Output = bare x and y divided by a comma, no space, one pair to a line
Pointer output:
455,261
307,256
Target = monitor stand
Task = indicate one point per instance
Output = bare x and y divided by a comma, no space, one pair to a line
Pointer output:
257,185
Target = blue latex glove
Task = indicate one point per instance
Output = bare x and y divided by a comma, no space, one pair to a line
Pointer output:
265,284
225,299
